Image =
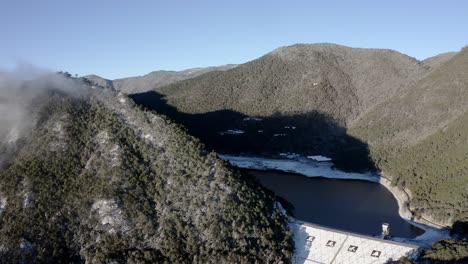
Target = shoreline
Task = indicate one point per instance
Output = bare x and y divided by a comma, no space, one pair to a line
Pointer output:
309,168
403,196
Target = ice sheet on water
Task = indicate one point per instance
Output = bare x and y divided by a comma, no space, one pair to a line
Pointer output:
232,132
319,158
306,167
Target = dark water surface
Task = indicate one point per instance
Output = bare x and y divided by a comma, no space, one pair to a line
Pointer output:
351,205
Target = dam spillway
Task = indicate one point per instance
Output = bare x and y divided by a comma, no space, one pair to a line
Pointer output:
321,245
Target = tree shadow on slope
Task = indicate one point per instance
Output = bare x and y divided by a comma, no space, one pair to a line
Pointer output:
227,131
460,228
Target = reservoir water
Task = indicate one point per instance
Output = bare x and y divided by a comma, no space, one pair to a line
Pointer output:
350,205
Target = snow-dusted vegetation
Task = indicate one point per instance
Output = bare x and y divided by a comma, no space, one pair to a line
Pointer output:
100,180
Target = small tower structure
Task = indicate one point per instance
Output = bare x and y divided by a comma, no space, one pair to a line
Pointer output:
385,230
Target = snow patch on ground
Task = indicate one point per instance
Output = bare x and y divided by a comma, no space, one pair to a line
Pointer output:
27,200
148,136
58,129
3,203
122,98
193,71
102,138
141,125
114,150
13,135
25,245
110,215
59,135
114,155
25,194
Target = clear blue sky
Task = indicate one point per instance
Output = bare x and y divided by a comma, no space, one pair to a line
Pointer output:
125,38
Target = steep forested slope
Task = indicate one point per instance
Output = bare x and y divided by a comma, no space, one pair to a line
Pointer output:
99,180
420,139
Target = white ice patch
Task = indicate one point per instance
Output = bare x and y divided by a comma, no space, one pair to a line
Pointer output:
27,199
279,135
260,131
25,245
290,155
305,167
252,119
319,158
3,204
232,132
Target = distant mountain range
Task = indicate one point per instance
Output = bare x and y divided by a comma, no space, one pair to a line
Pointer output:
407,116
154,79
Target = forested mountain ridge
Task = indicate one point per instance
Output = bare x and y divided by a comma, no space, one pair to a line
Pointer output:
338,81
97,179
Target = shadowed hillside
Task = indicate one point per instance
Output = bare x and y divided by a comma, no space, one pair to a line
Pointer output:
227,131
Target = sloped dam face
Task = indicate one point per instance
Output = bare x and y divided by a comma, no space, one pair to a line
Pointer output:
351,205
